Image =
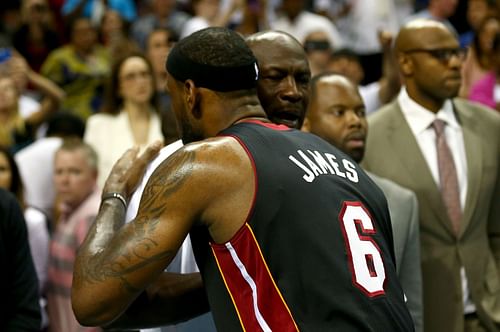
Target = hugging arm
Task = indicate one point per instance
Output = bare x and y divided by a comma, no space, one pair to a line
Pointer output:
171,299
117,262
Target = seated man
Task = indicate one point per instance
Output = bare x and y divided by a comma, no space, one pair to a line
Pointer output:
267,261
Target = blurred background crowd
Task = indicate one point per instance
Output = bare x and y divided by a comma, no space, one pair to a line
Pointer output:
83,80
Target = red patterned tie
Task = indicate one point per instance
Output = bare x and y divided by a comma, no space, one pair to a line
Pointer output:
450,191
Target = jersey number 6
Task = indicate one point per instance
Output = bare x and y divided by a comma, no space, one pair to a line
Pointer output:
365,261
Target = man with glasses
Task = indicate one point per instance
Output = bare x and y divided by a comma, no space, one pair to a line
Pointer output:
447,151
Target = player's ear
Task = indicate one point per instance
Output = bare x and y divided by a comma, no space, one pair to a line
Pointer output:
192,98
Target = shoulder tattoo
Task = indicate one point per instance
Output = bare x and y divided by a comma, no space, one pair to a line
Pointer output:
134,247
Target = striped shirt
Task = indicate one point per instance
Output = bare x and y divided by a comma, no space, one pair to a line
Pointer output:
67,238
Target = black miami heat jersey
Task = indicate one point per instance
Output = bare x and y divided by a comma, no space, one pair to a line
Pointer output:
316,252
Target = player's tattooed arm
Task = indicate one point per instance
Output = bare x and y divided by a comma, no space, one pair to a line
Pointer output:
116,262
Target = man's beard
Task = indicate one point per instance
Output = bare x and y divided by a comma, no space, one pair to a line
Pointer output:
188,133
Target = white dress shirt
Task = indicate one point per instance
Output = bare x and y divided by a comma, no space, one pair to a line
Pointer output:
187,264
420,122
371,96
36,165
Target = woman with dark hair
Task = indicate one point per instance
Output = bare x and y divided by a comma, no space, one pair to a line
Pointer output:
129,117
486,90
36,222
480,63
113,33
37,36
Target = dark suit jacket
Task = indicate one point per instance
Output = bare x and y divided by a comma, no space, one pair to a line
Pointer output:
393,152
403,209
19,308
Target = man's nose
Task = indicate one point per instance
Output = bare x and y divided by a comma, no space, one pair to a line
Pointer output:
455,61
291,90
62,177
353,119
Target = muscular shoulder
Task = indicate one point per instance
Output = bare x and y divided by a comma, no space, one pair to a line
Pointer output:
216,161
209,182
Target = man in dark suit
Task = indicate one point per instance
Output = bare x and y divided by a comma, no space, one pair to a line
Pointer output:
20,310
447,151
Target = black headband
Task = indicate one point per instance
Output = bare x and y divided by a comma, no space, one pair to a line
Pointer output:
215,78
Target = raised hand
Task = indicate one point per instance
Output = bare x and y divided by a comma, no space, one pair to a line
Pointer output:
129,169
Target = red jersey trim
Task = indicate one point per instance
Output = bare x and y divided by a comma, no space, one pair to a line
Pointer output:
255,295
268,124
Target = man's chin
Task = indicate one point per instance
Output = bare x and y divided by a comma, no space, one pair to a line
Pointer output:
357,154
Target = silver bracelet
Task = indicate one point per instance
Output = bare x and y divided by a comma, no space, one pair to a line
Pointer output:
115,195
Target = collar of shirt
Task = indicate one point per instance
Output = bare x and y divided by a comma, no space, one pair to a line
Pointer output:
420,119
66,211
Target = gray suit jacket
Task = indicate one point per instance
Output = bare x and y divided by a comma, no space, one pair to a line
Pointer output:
403,209
393,152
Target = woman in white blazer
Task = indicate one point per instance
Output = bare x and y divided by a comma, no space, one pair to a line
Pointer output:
129,117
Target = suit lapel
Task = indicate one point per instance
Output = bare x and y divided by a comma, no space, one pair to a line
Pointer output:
405,144
473,153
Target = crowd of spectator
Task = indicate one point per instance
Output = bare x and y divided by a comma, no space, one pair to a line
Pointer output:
81,81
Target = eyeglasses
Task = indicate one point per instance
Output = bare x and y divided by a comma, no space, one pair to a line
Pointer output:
444,55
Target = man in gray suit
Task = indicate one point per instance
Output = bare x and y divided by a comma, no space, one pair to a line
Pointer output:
336,113
454,173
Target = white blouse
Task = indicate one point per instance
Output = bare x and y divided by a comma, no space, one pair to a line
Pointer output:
111,135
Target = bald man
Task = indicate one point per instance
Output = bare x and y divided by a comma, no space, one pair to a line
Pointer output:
336,113
284,76
456,180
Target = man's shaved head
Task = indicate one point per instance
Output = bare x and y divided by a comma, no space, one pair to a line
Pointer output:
275,36
284,76
429,58
417,34
336,113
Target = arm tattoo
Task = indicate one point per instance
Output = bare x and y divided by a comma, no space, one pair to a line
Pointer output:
117,252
